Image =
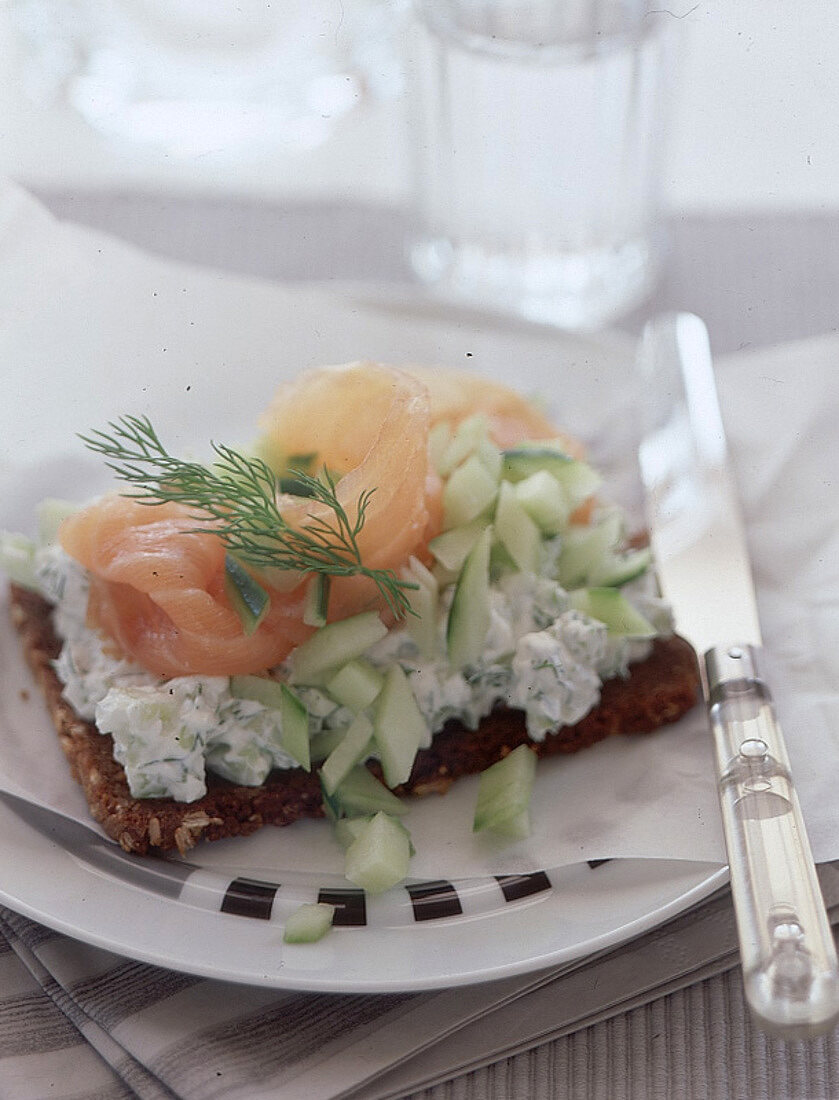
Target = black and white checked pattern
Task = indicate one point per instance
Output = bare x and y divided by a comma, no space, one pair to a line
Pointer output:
414,902
261,899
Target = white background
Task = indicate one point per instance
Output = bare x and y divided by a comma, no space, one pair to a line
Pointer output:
756,125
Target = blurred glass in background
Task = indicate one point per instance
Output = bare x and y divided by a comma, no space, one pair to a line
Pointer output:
192,76
537,131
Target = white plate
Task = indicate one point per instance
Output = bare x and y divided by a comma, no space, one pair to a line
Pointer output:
176,343
220,912
184,917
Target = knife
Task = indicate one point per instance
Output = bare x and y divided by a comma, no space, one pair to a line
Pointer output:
789,962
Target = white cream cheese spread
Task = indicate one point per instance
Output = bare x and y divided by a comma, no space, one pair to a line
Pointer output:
542,656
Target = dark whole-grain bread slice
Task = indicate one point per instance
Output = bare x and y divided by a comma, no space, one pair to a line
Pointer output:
658,691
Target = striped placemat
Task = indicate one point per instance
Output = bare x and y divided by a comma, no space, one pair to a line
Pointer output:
78,1023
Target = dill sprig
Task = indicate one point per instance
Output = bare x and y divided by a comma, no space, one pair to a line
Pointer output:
240,494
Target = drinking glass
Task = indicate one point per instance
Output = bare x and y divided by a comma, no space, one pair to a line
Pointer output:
193,77
536,128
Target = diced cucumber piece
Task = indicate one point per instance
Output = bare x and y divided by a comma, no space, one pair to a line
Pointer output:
443,576
418,572
439,438
352,748
355,685
469,491
51,514
361,793
294,717
525,459
335,644
294,735
490,456
470,612
331,807
452,547
323,742
348,829
379,856
500,562
17,559
422,625
301,462
294,486
317,600
309,923
580,481
577,478
618,569
544,500
399,727
259,689
517,827
504,792
469,435
516,531
248,598
611,607
584,548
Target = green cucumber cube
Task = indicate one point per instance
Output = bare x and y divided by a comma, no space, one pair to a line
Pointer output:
379,856
617,569
439,438
527,458
544,500
51,514
335,644
355,685
352,748
323,742
470,612
348,829
580,481
259,689
317,600
443,576
247,597
399,727
611,607
467,438
360,792
294,735
577,478
491,457
469,491
504,792
17,559
517,827
425,599
452,547
309,923
516,531
294,717
585,548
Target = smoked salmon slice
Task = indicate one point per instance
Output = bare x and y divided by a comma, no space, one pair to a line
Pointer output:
454,395
157,592
157,584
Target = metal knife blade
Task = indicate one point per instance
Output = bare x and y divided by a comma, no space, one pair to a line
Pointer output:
790,971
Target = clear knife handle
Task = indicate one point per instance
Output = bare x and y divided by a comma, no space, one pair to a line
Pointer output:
789,959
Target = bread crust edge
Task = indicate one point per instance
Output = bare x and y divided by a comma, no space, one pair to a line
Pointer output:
657,692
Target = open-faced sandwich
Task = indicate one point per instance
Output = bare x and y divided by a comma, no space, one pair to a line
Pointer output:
411,578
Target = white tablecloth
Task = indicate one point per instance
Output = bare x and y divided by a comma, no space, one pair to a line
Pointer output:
756,282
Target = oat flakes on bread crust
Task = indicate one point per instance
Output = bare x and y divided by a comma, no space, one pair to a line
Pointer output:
658,691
